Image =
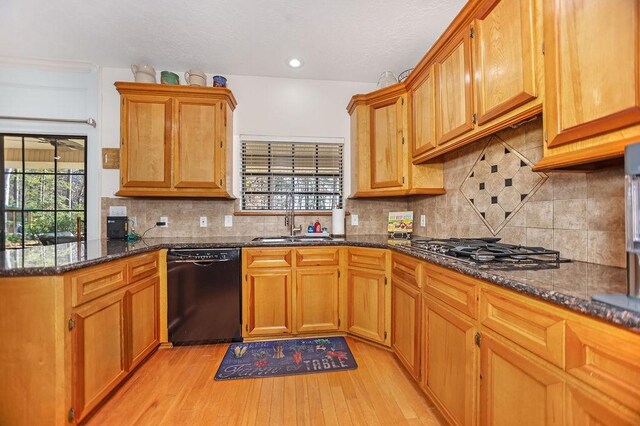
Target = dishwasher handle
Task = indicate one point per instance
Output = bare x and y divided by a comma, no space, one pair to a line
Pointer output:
199,262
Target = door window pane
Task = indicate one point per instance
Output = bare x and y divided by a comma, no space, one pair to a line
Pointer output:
39,192
39,155
71,192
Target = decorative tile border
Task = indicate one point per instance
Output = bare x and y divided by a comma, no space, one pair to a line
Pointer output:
499,183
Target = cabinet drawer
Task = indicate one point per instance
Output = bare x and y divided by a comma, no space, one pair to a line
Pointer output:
144,265
268,258
524,322
368,258
97,281
317,256
407,269
455,290
606,358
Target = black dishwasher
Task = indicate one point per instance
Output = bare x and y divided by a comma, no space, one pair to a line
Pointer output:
204,300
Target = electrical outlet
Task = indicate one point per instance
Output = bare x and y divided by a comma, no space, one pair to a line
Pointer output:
164,219
354,220
228,221
423,220
203,221
117,210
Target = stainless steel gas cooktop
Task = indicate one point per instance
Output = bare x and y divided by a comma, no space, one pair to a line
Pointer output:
489,252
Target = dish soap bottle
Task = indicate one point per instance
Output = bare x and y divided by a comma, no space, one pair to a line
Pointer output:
310,228
317,227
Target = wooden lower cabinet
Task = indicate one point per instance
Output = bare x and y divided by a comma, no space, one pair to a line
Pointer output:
98,355
515,389
366,304
584,406
317,299
142,301
268,302
406,306
449,366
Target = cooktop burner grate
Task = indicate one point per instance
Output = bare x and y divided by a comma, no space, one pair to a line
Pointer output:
488,251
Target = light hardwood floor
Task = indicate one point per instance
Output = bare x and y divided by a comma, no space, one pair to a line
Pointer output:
176,387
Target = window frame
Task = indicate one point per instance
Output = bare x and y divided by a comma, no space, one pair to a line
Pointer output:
290,140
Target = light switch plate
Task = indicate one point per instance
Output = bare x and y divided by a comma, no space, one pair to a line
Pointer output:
423,220
117,210
203,221
228,221
354,220
164,219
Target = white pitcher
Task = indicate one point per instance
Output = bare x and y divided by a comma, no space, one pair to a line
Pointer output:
143,73
195,78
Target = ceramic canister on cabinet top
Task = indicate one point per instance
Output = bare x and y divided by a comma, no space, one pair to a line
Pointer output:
143,73
195,78
168,77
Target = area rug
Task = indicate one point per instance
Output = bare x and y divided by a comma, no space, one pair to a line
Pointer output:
284,357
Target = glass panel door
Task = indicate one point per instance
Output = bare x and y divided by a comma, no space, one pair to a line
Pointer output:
44,189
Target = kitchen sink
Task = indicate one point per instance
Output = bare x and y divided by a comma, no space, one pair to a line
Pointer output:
286,239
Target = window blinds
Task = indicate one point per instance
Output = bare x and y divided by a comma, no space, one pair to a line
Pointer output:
271,171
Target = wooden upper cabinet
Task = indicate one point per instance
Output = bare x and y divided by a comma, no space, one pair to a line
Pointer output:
198,145
454,88
422,98
504,62
175,140
380,154
387,133
146,127
592,68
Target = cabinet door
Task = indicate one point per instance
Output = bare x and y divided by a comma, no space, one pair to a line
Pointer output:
504,58
449,362
317,299
586,407
406,304
99,360
516,390
142,319
366,304
198,151
454,91
269,302
592,68
145,157
386,144
423,113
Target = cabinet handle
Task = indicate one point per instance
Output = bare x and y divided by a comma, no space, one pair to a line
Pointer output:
478,339
474,119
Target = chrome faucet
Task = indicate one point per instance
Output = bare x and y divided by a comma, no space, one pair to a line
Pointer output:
290,217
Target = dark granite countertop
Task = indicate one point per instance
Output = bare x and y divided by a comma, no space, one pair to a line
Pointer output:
571,285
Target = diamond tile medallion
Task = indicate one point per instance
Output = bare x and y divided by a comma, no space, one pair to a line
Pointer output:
499,183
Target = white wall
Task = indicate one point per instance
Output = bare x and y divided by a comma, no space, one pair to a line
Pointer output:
266,106
47,89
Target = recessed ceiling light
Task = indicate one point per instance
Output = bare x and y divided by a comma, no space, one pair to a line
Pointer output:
294,63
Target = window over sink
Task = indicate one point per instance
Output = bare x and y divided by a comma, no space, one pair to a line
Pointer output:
273,172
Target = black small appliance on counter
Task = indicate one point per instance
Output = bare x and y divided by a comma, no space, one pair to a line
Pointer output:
117,227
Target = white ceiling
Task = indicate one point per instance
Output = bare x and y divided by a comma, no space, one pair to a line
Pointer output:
352,40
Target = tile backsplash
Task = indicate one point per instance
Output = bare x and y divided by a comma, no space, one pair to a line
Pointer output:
579,214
